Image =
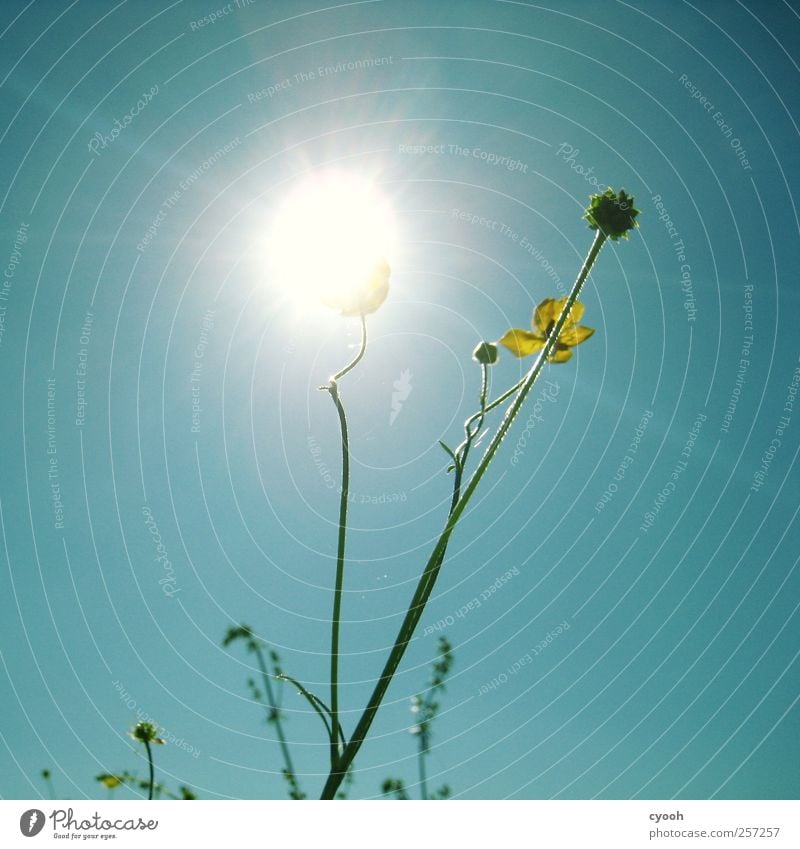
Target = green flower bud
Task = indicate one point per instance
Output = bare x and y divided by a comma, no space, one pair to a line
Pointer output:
612,213
146,732
485,353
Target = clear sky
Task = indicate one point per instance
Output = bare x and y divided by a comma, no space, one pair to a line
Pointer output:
633,548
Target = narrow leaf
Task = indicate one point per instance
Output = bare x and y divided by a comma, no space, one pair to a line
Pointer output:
318,705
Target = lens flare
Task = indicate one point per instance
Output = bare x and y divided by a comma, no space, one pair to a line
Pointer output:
328,238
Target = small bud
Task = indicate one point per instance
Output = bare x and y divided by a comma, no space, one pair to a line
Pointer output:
612,213
485,353
146,732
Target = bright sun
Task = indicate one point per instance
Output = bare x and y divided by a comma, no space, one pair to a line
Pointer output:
328,237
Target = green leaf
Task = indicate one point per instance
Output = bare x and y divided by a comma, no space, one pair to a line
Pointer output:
318,705
449,451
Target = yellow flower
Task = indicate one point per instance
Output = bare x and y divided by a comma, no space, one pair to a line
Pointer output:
364,297
522,343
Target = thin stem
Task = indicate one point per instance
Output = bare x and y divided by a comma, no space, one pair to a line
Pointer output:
152,769
339,585
423,777
275,715
336,617
322,710
481,414
357,359
472,427
48,780
429,575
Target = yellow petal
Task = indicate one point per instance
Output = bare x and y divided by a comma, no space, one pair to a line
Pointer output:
561,355
521,343
366,298
575,335
576,313
549,310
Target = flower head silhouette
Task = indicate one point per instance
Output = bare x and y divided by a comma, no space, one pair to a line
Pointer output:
612,213
146,732
364,297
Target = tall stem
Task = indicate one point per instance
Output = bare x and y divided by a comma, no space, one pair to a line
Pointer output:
333,390
152,769
429,575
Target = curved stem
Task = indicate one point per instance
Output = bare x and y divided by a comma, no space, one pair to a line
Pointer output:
333,390
429,575
471,430
321,709
152,769
357,359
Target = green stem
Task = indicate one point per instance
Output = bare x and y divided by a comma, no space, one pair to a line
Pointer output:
357,359
481,414
51,789
423,777
152,769
429,575
472,427
333,390
322,710
275,714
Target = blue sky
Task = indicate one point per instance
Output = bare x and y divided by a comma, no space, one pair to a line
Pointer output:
133,251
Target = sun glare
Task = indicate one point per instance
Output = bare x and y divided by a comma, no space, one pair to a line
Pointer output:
328,237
